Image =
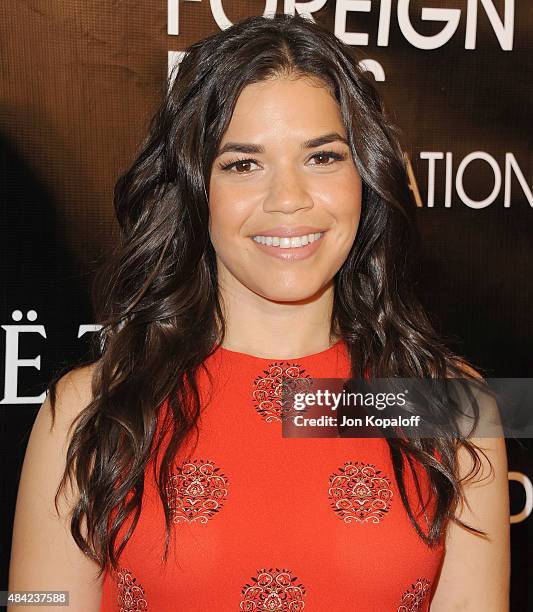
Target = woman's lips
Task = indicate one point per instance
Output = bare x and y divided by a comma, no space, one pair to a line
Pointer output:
291,254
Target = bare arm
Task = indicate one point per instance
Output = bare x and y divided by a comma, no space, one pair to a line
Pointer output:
44,555
476,571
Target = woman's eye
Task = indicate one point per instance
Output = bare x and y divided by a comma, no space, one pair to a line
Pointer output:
239,166
323,158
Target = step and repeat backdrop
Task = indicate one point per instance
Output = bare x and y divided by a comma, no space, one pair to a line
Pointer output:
79,82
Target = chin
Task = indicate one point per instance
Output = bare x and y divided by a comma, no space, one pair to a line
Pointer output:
296,293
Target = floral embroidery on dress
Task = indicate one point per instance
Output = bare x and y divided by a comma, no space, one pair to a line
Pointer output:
414,597
360,493
268,388
273,591
131,596
196,492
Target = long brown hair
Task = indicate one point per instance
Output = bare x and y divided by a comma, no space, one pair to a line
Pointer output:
157,298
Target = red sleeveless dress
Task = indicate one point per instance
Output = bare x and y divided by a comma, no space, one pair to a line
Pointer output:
266,523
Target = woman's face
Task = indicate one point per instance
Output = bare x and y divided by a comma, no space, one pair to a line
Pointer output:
283,169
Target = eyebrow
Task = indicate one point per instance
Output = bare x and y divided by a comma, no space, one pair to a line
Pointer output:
249,148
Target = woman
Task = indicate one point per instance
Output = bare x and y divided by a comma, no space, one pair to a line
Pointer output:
269,132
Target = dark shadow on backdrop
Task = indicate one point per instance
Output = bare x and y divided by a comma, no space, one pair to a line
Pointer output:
38,273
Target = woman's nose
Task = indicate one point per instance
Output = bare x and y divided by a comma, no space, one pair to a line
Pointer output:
287,192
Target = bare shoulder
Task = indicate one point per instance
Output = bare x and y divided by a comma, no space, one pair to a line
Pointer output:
44,555
476,570
73,392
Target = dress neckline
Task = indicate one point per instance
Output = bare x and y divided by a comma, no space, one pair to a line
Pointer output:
320,354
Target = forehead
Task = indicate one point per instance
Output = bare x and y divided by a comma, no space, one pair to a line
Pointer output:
282,107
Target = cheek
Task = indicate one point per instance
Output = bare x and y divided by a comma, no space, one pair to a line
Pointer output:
351,213
343,200
228,211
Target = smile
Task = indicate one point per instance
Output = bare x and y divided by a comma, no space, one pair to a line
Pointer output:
293,248
293,242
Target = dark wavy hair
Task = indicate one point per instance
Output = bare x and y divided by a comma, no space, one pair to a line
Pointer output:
157,299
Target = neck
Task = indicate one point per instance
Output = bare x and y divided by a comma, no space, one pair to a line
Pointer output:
269,328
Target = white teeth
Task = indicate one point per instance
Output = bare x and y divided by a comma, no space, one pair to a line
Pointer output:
288,243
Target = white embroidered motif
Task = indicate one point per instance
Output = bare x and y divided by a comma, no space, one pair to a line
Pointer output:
268,388
196,492
360,493
273,591
130,595
414,597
